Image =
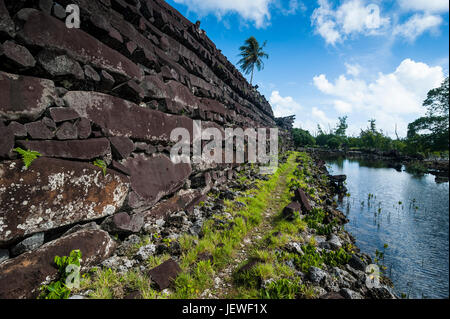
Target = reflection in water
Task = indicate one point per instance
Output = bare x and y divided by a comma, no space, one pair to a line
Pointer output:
408,213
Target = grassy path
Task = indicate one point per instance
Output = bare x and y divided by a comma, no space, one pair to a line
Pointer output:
252,241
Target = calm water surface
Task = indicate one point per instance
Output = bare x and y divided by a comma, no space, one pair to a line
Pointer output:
408,213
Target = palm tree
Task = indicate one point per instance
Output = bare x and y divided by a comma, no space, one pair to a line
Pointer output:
252,54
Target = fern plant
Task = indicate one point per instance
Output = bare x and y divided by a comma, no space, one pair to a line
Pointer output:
27,156
58,289
100,163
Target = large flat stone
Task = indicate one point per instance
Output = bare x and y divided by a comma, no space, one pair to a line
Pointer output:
122,146
60,64
24,97
61,114
22,276
67,131
74,149
123,223
178,202
19,55
38,130
53,193
164,274
118,117
155,177
45,31
172,91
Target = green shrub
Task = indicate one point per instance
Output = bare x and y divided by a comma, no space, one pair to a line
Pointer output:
27,156
59,289
281,289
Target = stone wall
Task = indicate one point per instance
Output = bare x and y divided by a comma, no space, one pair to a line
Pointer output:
112,90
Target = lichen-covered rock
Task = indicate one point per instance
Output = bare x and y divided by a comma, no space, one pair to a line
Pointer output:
21,277
317,275
53,193
24,97
145,252
60,64
120,264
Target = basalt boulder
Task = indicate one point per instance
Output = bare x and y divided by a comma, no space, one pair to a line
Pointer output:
21,277
24,97
118,117
291,211
301,197
152,178
73,149
52,193
164,274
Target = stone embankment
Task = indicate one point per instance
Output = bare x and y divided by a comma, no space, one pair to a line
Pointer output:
112,90
110,93
438,167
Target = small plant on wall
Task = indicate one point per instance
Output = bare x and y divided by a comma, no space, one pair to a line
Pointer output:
27,156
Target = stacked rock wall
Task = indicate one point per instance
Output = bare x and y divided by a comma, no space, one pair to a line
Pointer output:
113,89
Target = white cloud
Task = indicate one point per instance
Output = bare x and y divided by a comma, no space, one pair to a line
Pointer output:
283,106
321,116
342,107
425,5
391,97
352,17
256,11
294,5
416,25
353,69
306,119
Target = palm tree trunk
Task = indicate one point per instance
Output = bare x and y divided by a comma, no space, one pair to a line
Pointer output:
251,79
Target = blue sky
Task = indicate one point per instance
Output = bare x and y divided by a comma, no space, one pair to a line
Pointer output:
360,58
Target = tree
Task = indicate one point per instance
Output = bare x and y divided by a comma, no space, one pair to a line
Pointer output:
373,139
333,142
373,127
252,54
341,126
303,138
431,132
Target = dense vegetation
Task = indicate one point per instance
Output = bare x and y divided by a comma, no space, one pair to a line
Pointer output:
425,135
